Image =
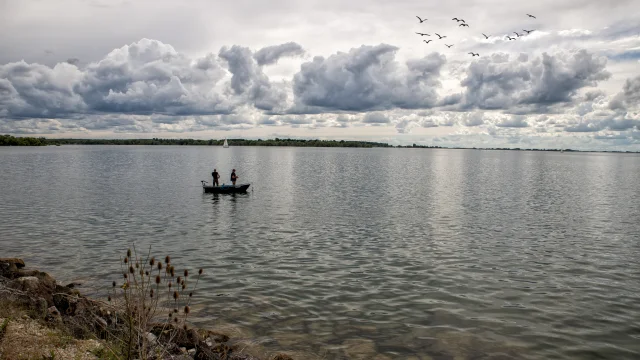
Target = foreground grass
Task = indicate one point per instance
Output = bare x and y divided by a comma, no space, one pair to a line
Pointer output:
25,338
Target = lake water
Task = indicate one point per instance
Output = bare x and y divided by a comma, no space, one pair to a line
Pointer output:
355,253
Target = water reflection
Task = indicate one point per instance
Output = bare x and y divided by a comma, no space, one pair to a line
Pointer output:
356,253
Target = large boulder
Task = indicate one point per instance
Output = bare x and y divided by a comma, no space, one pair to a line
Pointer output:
35,284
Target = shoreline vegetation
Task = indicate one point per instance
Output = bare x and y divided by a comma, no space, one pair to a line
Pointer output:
9,140
144,317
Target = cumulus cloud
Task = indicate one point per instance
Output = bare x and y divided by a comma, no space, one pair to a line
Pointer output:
148,86
248,79
271,54
38,91
375,118
529,85
364,79
628,97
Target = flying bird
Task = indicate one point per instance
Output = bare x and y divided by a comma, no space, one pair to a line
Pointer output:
467,25
528,31
440,36
421,21
449,46
510,38
423,34
518,35
427,41
456,19
472,54
531,16
485,36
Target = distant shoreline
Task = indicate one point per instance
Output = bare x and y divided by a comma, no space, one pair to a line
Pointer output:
8,140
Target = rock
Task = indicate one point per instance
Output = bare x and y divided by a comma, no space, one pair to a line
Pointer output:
46,279
204,353
183,350
26,284
12,262
36,286
151,338
282,357
102,322
191,352
53,315
185,338
66,303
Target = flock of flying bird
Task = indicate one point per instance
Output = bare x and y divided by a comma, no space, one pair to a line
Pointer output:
464,24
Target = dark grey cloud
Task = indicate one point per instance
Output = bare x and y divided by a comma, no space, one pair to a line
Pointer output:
366,78
38,91
524,85
271,54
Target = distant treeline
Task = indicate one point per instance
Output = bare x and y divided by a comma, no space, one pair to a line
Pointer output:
8,140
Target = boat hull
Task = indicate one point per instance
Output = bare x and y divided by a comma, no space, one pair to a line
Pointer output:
225,189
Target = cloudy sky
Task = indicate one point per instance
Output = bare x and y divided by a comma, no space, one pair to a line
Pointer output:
325,69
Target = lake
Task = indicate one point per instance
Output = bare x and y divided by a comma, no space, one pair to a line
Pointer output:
342,253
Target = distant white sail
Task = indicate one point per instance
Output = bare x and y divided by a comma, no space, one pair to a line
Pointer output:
226,145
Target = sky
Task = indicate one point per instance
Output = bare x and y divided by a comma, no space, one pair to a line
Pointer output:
328,69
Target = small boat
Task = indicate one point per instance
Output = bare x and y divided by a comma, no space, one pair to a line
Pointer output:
225,145
224,189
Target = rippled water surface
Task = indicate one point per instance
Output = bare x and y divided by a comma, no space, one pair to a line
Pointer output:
355,253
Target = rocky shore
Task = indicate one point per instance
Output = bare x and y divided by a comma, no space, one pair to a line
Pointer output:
42,319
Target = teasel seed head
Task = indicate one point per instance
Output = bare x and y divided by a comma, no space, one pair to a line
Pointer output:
131,269
186,272
126,260
175,295
151,293
184,326
114,284
167,259
157,279
175,319
200,272
128,252
179,280
190,294
125,275
159,265
173,272
137,265
152,261
183,286
186,309
146,273
169,285
109,298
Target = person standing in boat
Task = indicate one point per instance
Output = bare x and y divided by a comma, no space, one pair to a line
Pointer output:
216,176
234,177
